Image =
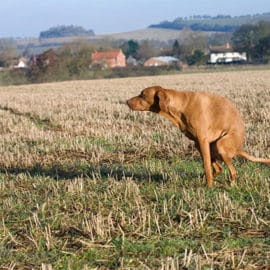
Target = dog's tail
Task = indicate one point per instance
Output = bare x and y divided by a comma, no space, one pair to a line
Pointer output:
254,159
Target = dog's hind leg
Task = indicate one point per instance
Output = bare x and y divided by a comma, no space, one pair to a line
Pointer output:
227,148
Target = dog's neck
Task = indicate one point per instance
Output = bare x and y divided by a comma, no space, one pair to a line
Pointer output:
179,101
176,109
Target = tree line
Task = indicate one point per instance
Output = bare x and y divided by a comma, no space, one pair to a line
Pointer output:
219,23
196,26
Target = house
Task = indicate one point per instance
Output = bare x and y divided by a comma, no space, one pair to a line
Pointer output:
44,60
225,54
109,59
161,61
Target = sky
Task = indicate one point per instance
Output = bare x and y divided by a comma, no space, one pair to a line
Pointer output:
27,18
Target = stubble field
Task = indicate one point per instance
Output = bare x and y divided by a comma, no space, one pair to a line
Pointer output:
85,183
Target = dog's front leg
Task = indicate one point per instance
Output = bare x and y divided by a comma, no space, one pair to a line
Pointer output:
206,156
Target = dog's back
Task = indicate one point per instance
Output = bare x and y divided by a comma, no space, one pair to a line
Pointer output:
210,113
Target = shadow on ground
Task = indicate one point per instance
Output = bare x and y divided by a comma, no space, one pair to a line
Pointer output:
100,171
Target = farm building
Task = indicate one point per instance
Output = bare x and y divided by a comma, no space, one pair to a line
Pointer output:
225,54
109,59
161,61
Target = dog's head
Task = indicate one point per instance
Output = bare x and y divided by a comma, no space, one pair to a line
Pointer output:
152,99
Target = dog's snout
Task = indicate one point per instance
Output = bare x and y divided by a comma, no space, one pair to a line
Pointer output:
136,104
128,102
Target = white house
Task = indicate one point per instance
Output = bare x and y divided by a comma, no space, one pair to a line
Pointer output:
225,55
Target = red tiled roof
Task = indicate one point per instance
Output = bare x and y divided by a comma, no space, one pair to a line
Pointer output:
105,55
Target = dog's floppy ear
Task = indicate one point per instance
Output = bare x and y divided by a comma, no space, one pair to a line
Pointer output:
163,100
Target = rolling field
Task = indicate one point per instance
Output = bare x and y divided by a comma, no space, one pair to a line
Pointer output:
85,183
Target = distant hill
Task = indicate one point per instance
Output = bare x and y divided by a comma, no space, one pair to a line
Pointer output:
220,23
151,34
66,31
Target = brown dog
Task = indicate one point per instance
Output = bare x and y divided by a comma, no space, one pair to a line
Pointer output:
211,121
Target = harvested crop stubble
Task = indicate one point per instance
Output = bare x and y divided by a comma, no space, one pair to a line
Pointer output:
89,116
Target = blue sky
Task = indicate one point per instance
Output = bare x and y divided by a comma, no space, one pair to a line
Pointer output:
26,18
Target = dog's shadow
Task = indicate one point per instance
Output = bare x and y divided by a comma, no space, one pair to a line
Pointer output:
103,171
